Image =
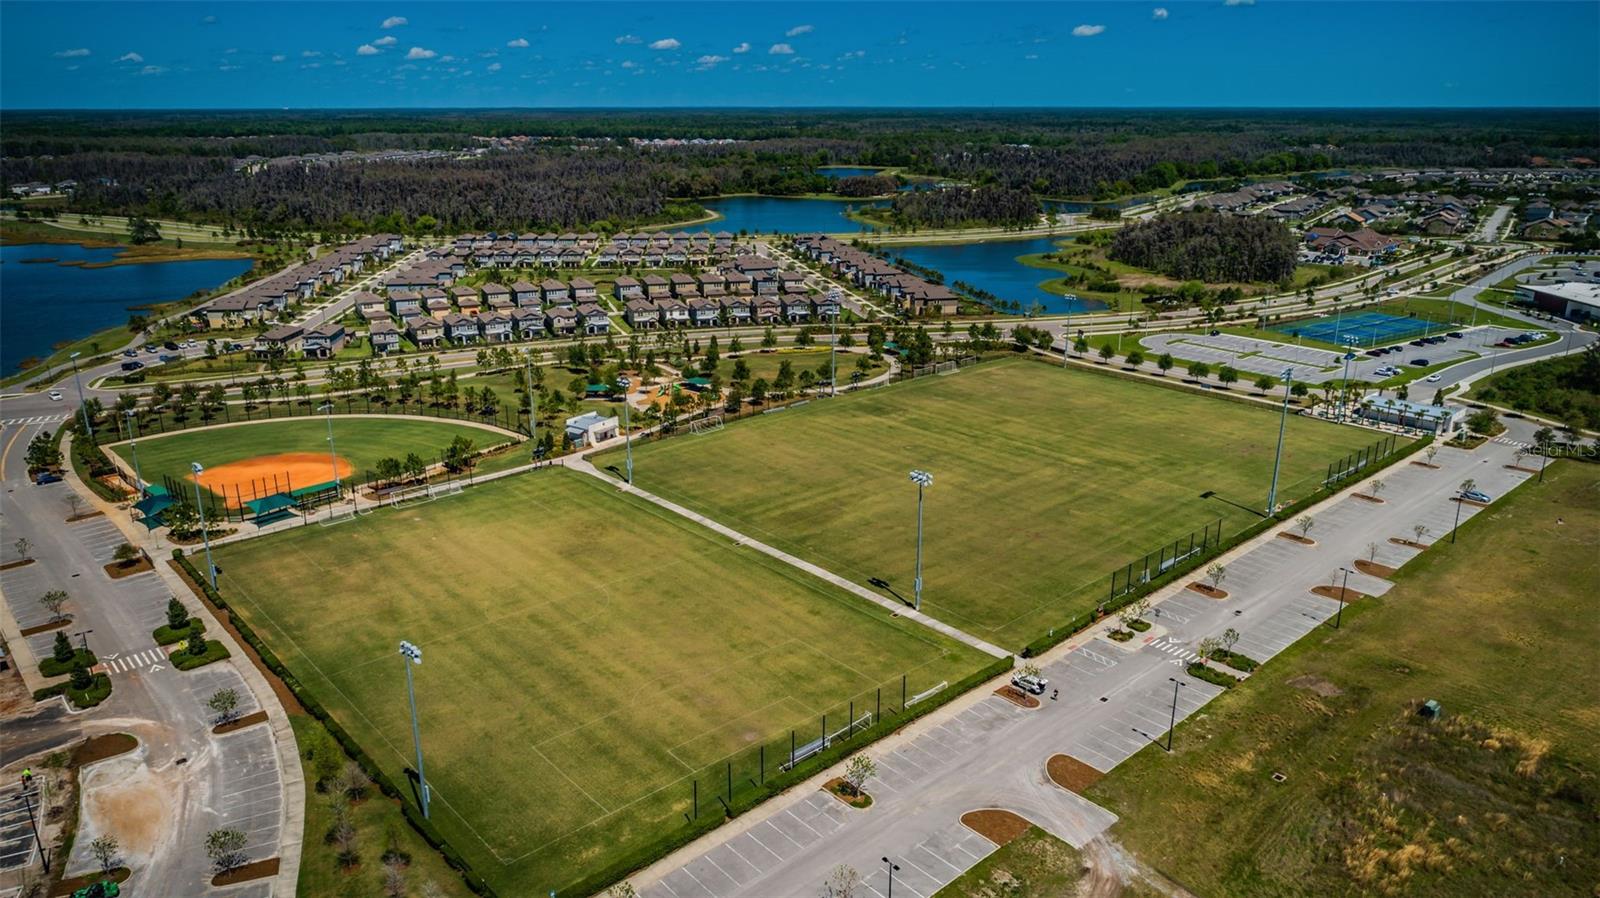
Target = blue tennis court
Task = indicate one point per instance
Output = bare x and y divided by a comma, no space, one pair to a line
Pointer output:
1364,328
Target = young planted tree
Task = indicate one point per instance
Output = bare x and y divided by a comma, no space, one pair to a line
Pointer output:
1376,487
1226,375
1304,523
1372,552
623,889
1199,370
1135,358
1080,345
23,546
1208,646
105,849
224,703
1230,636
54,601
1106,352
843,882
394,878
860,769
1419,531
1431,452
1216,573
62,649
125,555
1165,362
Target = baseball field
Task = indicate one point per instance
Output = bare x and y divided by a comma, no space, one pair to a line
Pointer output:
586,657
1044,480
293,451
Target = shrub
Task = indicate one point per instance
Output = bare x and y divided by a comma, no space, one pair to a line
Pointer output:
1211,675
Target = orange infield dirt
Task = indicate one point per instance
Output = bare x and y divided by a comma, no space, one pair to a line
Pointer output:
293,470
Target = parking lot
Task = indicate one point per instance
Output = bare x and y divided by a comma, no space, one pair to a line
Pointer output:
16,835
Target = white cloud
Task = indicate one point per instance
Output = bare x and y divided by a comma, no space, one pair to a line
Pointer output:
494,67
388,40
394,22
72,54
278,57
310,54
130,57
708,61
151,70
1159,14
519,42
229,68
744,47
666,43
367,50
311,65
420,53
629,64
798,30
629,39
780,50
1087,30
854,54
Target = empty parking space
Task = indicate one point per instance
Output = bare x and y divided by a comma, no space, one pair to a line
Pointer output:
1297,616
931,864
1133,720
16,835
249,795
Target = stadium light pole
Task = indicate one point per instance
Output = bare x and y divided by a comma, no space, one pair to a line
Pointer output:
83,408
200,511
627,435
1173,724
923,480
138,478
533,407
1277,460
413,656
1344,590
1344,405
833,344
893,867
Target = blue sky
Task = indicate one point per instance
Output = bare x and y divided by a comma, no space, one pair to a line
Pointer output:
666,53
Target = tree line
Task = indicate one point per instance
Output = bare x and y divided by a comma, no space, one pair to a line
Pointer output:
1209,246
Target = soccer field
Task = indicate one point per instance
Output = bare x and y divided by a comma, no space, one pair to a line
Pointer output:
585,655
359,441
1044,481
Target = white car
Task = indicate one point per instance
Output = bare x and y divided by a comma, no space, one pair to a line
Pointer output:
1035,685
55,395
1433,378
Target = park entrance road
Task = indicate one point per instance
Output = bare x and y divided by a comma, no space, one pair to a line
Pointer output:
1116,699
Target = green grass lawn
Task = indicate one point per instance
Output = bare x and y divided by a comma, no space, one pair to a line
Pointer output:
1495,799
361,441
1033,865
766,364
1044,480
585,656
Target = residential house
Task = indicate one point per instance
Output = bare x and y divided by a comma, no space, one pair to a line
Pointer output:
384,336
627,288
424,331
323,342
656,287
497,297
737,310
593,319
674,312
279,342
459,328
561,321
642,314
704,311
496,327
556,293
405,303
582,290
525,295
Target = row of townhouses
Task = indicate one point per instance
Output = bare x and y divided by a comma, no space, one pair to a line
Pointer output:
914,294
263,300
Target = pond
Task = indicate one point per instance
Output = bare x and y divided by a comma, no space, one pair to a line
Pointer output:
993,266
847,171
45,303
782,215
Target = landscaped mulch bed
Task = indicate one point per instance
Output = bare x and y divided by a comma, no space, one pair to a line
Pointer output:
85,516
1408,543
1373,499
67,886
1335,592
841,790
233,726
998,826
1017,697
116,570
255,870
1210,592
1426,464
100,748
21,562
1374,569
1295,537
45,628
1072,774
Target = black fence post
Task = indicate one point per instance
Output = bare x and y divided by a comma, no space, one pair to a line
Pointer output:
879,714
791,749
850,723
763,762
694,786
902,693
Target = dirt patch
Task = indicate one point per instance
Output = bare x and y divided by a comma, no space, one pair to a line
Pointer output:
84,516
841,790
21,562
1366,498
286,697
1072,774
256,870
263,475
1318,685
116,570
1374,569
1338,593
1017,697
1296,538
135,809
1424,464
67,886
233,726
1210,592
100,748
998,826
45,628
1408,543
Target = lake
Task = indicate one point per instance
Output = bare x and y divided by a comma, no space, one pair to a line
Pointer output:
782,215
43,303
993,266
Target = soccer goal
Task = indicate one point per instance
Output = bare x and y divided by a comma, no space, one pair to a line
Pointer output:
926,693
444,490
707,424
413,496
336,515
946,367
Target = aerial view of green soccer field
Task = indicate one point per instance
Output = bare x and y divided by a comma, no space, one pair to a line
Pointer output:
585,655
1044,480
293,451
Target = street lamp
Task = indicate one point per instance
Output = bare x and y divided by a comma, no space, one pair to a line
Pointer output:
83,638
627,435
83,407
893,868
1277,460
1344,590
413,654
533,406
1466,485
923,480
44,853
1349,356
1173,724
200,513
833,344
133,446
333,456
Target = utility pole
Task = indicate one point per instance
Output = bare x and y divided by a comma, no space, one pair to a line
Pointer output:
1277,460
205,534
533,406
923,480
413,656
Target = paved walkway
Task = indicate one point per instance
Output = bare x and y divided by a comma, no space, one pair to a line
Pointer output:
1115,700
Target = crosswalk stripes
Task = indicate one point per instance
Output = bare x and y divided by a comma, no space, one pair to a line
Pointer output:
133,660
36,419
1162,644
1505,441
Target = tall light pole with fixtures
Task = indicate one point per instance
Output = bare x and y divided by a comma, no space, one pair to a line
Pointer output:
83,407
333,456
1344,590
1277,460
923,480
533,406
133,447
200,513
44,852
413,656
1173,724
836,301
893,867
627,435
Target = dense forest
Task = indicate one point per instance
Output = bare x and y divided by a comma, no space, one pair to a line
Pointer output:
1566,389
179,165
1209,246
962,207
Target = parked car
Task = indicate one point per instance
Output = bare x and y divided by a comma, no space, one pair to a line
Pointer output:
1476,495
170,344
1456,335
130,353
168,357
55,395
1420,363
1035,685
44,477
132,366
